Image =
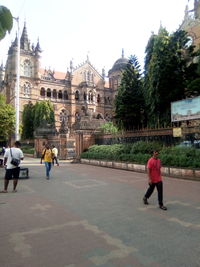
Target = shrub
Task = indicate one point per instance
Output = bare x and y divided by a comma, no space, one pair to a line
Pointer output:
145,147
140,152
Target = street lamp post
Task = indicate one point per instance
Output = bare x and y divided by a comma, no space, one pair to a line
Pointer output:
17,136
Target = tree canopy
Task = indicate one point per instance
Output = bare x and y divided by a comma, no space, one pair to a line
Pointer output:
165,74
129,102
6,21
7,119
34,115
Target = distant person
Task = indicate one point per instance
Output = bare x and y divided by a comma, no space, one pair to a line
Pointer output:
55,155
155,179
47,156
12,171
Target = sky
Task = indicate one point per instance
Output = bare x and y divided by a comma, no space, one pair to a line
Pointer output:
74,29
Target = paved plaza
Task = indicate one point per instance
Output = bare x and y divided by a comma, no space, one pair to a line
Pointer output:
87,216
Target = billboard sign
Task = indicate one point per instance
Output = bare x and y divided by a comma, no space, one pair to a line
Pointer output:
187,109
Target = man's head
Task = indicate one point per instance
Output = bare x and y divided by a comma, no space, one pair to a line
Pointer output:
155,153
47,146
53,146
17,144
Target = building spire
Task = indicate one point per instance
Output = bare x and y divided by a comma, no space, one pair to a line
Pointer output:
24,43
38,48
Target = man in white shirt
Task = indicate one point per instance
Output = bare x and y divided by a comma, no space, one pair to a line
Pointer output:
12,171
55,155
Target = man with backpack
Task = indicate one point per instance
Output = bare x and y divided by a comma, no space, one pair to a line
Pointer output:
12,158
47,156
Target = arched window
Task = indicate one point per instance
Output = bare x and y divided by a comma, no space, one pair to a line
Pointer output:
27,89
77,95
60,94
85,76
48,92
54,93
90,96
98,98
27,68
65,95
42,91
88,76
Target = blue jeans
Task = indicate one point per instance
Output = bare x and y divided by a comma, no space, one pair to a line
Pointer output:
48,168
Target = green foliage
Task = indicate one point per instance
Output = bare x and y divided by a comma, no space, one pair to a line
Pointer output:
193,88
27,121
7,119
109,128
34,116
145,147
141,151
129,104
43,112
165,74
28,149
6,21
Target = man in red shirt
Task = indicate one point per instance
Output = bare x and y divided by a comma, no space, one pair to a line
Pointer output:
155,180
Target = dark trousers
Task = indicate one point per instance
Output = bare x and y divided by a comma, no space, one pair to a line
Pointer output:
159,187
56,160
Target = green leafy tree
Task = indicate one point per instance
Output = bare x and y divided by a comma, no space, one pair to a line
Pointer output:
129,104
43,112
6,21
165,74
27,121
7,119
34,116
109,128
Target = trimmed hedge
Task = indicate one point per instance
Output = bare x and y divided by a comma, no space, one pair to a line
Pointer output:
141,151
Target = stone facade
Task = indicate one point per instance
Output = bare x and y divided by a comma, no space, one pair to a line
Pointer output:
191,24
72,93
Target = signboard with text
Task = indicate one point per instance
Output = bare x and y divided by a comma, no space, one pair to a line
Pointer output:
187,109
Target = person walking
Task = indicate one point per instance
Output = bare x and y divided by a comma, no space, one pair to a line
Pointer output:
155,179
12,158
55,155
47,155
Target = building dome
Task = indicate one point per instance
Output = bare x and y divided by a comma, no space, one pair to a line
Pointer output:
120,64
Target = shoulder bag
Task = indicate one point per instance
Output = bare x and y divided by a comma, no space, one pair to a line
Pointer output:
14,161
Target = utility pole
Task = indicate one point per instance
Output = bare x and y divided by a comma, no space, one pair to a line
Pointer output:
17,136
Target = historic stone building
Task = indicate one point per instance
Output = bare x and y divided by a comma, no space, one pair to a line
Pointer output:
81,90
191,24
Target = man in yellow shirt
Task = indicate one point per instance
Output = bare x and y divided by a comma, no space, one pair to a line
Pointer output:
47,156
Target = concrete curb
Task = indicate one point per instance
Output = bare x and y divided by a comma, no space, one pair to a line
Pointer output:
183,173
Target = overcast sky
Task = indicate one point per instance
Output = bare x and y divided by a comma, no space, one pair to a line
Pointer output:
71,29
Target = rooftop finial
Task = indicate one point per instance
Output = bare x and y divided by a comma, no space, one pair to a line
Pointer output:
122,52
88,57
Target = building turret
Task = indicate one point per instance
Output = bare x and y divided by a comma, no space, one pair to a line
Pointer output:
38,48
24,42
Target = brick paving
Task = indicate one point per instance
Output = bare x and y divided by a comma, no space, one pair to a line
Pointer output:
93,216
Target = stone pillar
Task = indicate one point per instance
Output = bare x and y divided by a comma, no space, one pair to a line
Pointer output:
39,143
79,144
63,146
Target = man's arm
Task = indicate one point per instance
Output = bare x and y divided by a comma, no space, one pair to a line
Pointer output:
149,175
5,161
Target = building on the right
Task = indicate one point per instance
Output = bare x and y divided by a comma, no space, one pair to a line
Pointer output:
191,24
